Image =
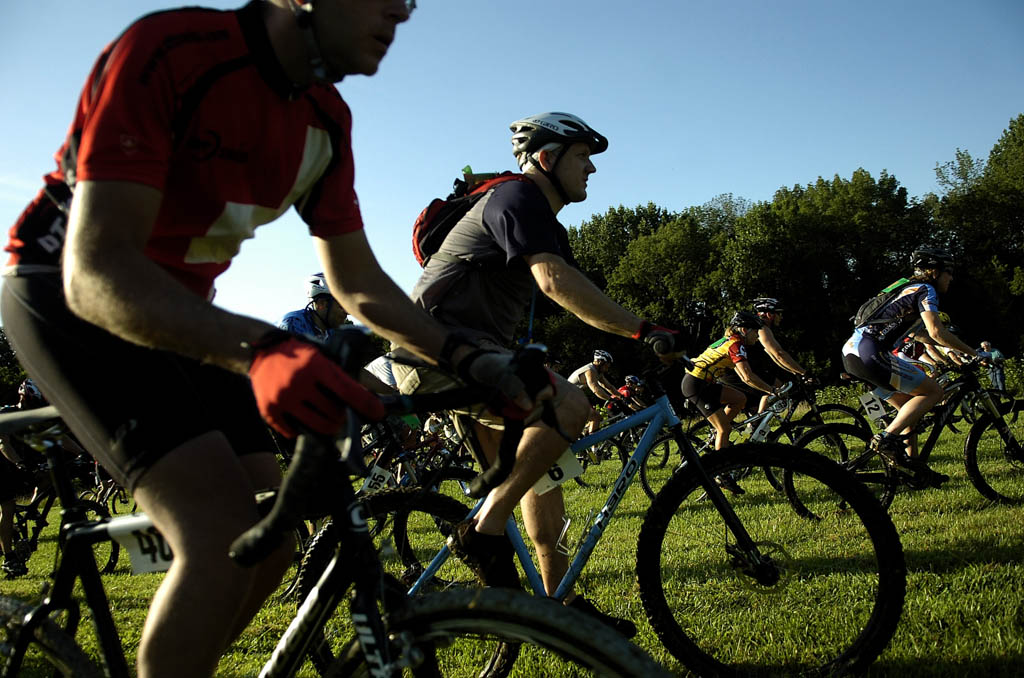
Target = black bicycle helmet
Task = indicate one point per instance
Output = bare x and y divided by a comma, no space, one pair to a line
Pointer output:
926,258
746,320
767,305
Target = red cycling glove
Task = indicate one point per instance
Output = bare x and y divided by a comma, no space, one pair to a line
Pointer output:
297,386
661,339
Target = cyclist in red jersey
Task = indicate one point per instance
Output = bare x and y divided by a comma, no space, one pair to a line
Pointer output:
632,391
195,127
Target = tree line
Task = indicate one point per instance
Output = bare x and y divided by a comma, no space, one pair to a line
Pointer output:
823,249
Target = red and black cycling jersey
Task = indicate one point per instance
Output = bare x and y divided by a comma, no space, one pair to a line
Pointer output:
193,102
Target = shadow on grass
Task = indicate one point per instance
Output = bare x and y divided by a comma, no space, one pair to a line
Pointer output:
1008,666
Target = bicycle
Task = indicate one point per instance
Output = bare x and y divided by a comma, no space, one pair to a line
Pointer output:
992,457
392,634
777,423
107,492
31,518
749,574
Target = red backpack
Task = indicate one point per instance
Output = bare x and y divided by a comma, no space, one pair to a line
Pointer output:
439,217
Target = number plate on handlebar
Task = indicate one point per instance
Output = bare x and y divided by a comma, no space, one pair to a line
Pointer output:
146,547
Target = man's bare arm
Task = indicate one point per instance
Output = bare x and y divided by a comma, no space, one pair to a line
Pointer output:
573,291
596,385
110,282
778,354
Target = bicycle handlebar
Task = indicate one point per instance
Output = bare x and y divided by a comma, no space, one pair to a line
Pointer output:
314,467
12,422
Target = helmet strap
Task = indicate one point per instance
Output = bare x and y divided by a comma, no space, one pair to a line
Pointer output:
303,13
550,174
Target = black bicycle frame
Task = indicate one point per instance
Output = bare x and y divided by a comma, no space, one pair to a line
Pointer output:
361,567
76,562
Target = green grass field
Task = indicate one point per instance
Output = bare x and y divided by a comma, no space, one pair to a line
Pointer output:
964,611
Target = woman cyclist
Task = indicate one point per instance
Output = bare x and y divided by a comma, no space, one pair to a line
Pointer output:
718,402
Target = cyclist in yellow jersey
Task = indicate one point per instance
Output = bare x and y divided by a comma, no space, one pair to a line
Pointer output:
717,402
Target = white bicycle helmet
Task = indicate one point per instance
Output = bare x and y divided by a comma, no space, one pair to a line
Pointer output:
767,305
316,285
535,132
552,132
601,356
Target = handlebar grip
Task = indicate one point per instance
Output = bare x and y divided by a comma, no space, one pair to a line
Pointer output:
661,345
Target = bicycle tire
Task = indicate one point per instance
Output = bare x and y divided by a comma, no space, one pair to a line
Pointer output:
704,432
847,445
835,413
50,646
994,465
121,502
108,551
709,611
89,495
451,621
655,469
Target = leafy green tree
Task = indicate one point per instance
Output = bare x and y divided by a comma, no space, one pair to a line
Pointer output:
984,219
11,372
598,243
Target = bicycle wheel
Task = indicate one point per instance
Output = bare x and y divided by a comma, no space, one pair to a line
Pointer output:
838,586
455,631
50,647
603,463
847,445
121,502
994,458
704,432
660,463
835,413
108,551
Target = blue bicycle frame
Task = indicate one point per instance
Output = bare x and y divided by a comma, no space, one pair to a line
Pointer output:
657,416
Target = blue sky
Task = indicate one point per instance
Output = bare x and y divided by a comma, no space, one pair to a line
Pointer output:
697,99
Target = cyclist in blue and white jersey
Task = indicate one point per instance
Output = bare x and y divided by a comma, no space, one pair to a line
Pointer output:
322,313
868,355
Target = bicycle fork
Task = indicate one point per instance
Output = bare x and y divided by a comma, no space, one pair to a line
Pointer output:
744,554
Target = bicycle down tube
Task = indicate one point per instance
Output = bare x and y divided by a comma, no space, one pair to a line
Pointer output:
656,416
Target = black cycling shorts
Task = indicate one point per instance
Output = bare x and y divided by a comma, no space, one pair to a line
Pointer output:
13,481
705,395
128,405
